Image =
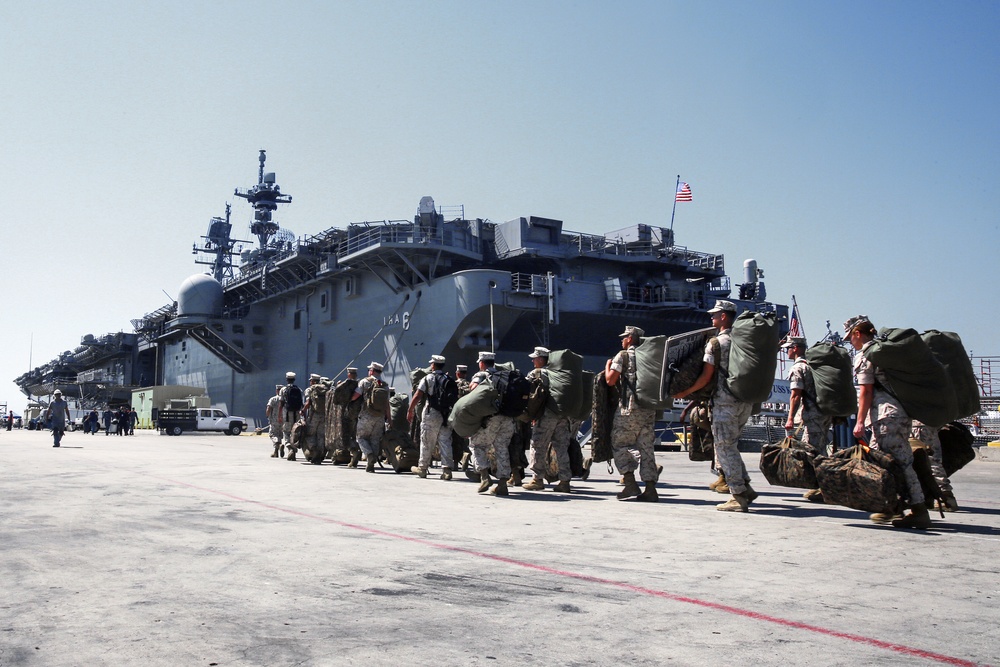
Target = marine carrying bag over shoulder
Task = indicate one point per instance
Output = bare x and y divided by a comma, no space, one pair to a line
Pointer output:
566,388
833,377
915,377
444,395
293,398
513,390
470,410
753,356
948,349
377,397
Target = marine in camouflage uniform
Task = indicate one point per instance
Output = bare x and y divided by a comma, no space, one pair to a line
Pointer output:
342,424
813,426
548,429
287,417
273,425
434,429
633,426
371,424
929,436
884,415
314,408
495,434
459,445
729,414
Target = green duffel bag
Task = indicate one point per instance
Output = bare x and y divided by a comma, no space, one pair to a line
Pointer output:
418,374
566,388
915,377
469,412
586,399
833,376
649,358
948,349
399,404
753,356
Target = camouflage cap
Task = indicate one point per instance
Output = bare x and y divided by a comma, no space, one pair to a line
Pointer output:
352,369
277,387
290,375
461,368
436,359
723,306
853,323
487,356
632,331
375,366
314,377
794,341
540,352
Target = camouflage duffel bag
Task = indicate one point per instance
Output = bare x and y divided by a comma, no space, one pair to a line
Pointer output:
298,432
854,478
700,441
789,463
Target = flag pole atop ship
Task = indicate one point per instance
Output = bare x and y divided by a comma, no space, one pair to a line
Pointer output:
682,192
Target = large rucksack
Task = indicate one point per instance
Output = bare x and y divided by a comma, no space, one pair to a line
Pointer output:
649,365
915,377
948,349
753,356
833,377
293,398
566,388
513,391
377,397
444,395
317,404
472,409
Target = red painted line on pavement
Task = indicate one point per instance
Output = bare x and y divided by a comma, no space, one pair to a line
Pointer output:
746,613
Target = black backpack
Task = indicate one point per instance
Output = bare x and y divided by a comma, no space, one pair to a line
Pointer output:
514,390
293,398
445,394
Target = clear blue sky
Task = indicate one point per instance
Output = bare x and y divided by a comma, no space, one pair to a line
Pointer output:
851,148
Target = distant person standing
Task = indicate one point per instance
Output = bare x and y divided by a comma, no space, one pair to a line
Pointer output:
108,417
273,424
288,410
133,419
93,419
10,420
122,417
57,415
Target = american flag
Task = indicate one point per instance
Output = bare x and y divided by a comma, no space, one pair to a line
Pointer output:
683,192
794,328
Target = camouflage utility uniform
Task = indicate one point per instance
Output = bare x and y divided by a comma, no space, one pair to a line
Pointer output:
729,416
815,425
273,426
549,428
434,427
929,436
371,424
633,426
496,434
888,421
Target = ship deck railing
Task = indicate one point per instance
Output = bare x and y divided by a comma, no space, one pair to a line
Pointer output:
591,244
403,233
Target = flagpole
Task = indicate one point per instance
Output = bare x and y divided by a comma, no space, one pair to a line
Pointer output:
672,213
798,317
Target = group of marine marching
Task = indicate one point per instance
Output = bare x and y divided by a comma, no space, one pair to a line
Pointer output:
357,414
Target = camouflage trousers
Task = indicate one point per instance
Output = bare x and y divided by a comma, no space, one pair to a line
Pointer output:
728,419
274,430
929,436
496,434
635,430
369,433
550,429
315,433
434,431
289,419
892,436
816,432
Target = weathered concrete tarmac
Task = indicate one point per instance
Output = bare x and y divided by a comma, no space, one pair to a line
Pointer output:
202,550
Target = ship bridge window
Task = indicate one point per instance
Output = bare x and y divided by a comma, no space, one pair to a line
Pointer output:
297,320
323,301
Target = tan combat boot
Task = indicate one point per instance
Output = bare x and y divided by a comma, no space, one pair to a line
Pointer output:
723,488
631,488
813,496
950,504
419,472
562,487
738,503
886,518
355,457
291,454
649,495
536,484
500,489
714,486
516,477
484,481
918,518
446,474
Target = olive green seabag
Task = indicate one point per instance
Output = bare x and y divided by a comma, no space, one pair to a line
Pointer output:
649,373
469,412
833,376
753,356
916,378
586,398
566,388
948,349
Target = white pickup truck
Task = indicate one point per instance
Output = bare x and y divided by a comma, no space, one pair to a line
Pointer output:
175,422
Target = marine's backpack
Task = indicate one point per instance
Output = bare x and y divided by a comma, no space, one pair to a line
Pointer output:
444,395
293,398
948,349
915,377
377,397
513,390
753,356
833,378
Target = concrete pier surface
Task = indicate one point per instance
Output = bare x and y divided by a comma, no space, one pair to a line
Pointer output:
201,550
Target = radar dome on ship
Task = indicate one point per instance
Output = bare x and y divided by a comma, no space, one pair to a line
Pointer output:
200,295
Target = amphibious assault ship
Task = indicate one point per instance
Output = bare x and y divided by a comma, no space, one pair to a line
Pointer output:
396,292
